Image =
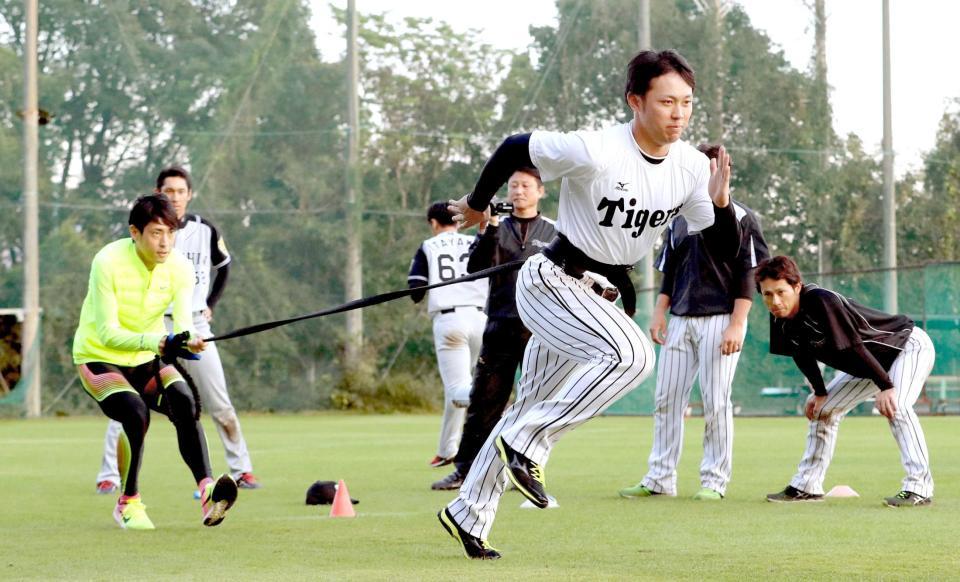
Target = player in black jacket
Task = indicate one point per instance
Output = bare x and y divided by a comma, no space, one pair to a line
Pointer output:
518,236
709,296
876,355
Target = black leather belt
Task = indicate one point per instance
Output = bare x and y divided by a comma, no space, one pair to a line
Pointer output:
575,262
452,309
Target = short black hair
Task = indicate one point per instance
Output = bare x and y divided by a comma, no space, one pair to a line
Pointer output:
531,171
648,65
776,268
153,208
174,172
438,211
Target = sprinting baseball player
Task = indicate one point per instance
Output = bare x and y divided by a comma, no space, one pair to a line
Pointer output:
709,298
876,355
200,241
520,235
620,188
458,319
118,348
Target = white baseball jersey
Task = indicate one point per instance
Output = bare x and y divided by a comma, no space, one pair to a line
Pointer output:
444,258
614,203
584,353
200,242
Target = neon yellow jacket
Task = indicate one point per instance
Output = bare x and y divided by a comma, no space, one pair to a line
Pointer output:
121,321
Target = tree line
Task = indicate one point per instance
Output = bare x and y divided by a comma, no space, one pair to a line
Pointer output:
236,90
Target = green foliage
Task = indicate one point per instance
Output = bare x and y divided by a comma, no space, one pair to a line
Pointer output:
235,90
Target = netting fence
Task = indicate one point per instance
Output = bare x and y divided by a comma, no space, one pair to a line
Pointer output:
771,385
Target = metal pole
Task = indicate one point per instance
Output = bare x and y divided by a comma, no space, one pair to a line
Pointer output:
889,195
354,267
647,298
30,366
643,30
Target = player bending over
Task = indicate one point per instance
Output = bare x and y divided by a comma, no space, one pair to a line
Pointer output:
876,355
117,350
709,297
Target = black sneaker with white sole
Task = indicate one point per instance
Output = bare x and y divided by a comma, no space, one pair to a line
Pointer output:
526,475
792,495
907,499
473,547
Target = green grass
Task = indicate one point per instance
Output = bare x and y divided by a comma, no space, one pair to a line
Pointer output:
55,527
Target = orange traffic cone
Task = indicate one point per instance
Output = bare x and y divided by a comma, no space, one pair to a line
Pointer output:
342,506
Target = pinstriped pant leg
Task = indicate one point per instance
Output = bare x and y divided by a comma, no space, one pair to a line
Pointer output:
843,393
716,384
572,320
544,372
909,373
676,371
565,379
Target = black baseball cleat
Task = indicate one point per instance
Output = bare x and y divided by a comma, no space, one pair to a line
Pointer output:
473,547
452,481
791,494
526,475
907,499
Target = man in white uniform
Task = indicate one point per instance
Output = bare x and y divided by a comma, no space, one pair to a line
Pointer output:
620,188
200,242
458,320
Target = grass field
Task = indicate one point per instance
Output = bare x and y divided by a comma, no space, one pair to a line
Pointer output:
55,527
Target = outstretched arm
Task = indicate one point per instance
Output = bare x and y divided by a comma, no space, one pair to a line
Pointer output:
512,154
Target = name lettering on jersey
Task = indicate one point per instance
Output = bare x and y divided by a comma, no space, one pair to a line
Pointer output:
450,242
633,218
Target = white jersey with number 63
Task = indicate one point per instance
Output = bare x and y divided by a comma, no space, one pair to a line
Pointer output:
444,258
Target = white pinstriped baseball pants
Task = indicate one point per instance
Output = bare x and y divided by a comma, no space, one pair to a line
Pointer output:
584,355
693,347
909,372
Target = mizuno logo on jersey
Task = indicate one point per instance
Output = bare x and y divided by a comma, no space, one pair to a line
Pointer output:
622,187
638,219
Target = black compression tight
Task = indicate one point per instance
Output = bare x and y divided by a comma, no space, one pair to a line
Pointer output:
178,404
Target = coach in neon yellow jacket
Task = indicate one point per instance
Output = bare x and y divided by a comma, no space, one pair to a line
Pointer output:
117,349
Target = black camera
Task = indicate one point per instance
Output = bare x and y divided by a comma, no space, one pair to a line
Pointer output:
498,208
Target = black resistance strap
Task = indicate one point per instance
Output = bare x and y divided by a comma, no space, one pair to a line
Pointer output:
364,302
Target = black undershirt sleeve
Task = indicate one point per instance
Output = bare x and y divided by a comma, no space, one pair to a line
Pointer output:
483,249
512,154
669,265
217,286
811,370
419,275
417,296
724,234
